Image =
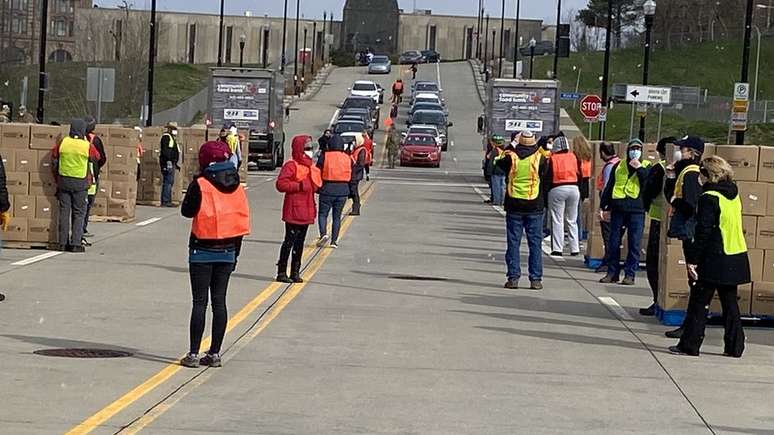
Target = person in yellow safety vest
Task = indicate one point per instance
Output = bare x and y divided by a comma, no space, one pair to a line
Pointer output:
623,206
71,159
169,160
655,203
524,206
234,144
682,188
722,263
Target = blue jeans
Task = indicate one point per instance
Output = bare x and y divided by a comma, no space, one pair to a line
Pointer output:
532,225
168,180
635,225
498,189
328,203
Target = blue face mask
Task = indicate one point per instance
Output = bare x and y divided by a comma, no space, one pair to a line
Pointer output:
635,154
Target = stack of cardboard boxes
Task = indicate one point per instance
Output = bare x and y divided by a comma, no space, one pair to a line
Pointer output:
117,195
754,173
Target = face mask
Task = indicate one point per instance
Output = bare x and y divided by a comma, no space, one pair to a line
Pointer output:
174,132
677,156
549,146
233,130
635,154
309,154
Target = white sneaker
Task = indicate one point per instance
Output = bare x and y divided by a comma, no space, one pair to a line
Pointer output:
335,245
323,241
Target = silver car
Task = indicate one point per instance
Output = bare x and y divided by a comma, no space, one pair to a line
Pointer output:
380,65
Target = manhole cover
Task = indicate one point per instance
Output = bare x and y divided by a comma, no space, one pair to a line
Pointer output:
417,278
83,353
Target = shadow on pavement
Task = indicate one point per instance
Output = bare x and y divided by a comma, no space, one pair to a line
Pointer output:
178,269
571,338
66,343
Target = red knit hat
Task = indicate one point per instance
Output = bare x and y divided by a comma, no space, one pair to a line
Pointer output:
213,152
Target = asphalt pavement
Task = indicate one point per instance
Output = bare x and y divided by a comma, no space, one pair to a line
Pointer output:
404,329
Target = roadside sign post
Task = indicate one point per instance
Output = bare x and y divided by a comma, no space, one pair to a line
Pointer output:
591,109
741,107
100,87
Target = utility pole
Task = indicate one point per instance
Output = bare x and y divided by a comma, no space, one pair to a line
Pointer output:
606,72
746,57
303,63
314,44
151,64
650,12
325,35
556,43
486,50
284,37
220,35
295,54
478,30
43,78
502,41
516,43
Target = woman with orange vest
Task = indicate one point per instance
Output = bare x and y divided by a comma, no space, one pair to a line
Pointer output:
218,204
336,166
299,180
582,150
360,158
563,196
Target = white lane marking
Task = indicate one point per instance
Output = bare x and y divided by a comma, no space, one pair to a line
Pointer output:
333,118
36,258
617,309
148,222
438,71
421,183
451,143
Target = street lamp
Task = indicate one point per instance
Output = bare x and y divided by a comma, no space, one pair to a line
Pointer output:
649,7
486,49
558,37
295,55
43,77
220,35
502,39
303,63
516,43
284,37
532,44
242,39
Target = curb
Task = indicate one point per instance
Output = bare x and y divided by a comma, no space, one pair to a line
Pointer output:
480,85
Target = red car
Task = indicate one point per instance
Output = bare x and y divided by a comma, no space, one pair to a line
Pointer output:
421,150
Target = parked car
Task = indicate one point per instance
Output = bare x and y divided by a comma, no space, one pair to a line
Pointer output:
365,88
427,88
363,115
380,65
431,56
411,56
542,48
427,106
425,129
428,98
432,117
348,126
420,149
363,103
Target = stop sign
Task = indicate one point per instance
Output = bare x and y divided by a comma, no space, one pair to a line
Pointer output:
590,106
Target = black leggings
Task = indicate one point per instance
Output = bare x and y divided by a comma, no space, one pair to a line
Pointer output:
209,279
652,257
295,235
696,319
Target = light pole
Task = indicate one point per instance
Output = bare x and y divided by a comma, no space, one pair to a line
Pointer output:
486,50
502,40
43,77
516,43
220,35
746,57
151,64
532,44
649,7
494,38
478,30
325,35
556,42
295,54
606,68
303,63
242,39
314,44
284,37
757,64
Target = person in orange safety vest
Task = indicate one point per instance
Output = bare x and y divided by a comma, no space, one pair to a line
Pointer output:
563,196
336,166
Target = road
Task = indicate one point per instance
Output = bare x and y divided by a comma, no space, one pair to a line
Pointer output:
404,329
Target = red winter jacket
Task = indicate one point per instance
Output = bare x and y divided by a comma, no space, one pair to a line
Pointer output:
299,207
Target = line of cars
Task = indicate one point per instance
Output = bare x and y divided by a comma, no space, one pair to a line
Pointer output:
428,125
360,111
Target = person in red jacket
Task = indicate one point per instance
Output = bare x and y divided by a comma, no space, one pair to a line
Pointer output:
299,179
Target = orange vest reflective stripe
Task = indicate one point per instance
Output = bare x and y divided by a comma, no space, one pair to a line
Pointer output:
221,215
586,169
337,167
304,171
564,166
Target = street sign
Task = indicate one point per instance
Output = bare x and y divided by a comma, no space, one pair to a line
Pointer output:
648,94
571,96
740,107
602,114
741,92
590,106
100,87
642,110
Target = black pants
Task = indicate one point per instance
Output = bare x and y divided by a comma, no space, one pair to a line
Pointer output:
209,279
354,195
652,257
295,235
89,205
696,319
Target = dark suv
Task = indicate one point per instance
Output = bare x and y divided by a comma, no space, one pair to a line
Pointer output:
363,102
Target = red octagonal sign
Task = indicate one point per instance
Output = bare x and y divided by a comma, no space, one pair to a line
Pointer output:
590,106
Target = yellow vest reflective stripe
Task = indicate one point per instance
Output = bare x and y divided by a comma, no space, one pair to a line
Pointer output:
172,141
681,180
74,158
524,178
730,223
93,187
233,143
657,207
627,186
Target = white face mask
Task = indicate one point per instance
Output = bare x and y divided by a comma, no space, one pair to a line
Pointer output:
549,146
174,132
635,154
309,154
233,130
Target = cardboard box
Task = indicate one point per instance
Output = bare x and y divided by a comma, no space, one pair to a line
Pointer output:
9,159
121,208
765,233
766,164
743,158
770,201
754,197
44,161
122,156
104,189
42,184
17,230
26,161
744,299
673,279
123,137
151,138
762,298
750,229
709,150
15,135
122,173
44,137
23,206
42,230
46,207
126,191
100,207
18,183
755,257
767,274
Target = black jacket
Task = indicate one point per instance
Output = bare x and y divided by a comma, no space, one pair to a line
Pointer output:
714,266
168,153
524,206
654,185
225,178
323,142
691,189
97,141
5,203
625,205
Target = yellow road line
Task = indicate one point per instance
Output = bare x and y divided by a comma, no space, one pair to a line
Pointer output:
280,305
170,370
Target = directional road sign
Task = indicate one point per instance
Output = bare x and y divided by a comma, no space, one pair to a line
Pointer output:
648,94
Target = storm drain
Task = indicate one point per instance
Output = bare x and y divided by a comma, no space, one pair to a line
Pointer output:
83,353
417,278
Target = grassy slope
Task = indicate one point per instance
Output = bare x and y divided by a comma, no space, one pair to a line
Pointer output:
714,66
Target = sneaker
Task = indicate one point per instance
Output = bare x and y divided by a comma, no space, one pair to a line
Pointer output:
334,245
512,284
88,234
628,280
609,279
574,254
191,360
601,269
556,254
676,333
536,285
85,242
211,359
323,240
675,350
283,278
77,249
650,311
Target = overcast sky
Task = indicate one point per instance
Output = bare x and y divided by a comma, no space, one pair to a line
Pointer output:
545,9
